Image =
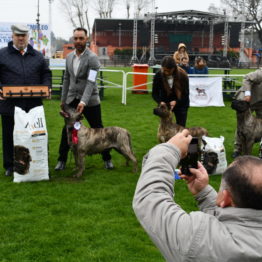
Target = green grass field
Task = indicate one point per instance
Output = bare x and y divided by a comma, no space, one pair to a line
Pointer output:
91,219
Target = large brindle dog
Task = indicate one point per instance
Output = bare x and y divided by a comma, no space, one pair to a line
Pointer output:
95,140
168,128
249,128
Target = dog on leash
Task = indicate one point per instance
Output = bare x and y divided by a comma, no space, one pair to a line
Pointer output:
87,141
249,128
168,128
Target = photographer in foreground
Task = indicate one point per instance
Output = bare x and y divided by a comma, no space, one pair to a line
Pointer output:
229,225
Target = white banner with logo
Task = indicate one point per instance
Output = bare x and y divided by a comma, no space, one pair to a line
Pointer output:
205,91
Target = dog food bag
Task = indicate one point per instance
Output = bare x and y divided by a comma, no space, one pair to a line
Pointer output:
216,145
30,145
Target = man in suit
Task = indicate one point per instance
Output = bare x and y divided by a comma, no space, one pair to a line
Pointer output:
80,92
20,64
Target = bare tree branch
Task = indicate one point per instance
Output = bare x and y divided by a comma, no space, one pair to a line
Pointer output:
104,8
250,10
140,5
66,6
127,4
77,12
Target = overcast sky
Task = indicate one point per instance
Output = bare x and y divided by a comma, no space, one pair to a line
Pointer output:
25,11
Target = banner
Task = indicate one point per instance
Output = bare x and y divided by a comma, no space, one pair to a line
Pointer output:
39,39
205,91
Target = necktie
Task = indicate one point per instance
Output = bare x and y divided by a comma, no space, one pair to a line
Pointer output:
22,52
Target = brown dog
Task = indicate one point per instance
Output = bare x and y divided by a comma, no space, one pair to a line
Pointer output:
168,128
95,140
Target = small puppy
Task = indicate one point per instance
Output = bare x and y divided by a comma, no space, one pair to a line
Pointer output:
88,141
168,128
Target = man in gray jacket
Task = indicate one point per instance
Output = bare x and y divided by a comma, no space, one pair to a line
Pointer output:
80,91
229,225
251,91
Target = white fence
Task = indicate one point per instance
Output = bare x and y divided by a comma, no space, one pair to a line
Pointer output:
230,82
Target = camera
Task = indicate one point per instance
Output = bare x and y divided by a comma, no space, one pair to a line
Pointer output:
190,161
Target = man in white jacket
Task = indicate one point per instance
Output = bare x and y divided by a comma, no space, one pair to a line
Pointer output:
229,225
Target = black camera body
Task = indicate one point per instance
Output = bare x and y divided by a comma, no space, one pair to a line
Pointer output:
190,161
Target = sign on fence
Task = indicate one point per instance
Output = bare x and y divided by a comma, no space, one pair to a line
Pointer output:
205,91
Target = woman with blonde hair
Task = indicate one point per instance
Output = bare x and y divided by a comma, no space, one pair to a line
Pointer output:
181,53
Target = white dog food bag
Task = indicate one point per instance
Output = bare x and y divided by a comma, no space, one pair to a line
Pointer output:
216,145
30,145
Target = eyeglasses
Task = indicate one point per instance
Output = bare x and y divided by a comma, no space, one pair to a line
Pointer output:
79,38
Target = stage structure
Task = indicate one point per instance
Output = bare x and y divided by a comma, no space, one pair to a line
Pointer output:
134,58
152,58
196,20
203,33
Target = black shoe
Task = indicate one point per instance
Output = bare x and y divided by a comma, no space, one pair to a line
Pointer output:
109,164
235,154
60,165
9,172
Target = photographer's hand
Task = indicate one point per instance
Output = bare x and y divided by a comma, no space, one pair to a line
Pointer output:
199,179
181,140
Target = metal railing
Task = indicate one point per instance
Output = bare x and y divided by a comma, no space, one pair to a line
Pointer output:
231,82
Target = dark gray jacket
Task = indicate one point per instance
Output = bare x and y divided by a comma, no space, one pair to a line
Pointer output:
17,69
215,234
80,86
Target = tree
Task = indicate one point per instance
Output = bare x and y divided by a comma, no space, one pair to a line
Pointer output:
104,8
250,10
127,6
214,9
140,5
77,13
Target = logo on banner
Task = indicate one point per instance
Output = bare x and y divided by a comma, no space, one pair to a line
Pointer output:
201,92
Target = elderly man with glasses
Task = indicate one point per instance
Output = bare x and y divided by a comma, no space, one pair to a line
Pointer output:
20,65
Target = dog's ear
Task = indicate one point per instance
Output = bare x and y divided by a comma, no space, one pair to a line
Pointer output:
64,114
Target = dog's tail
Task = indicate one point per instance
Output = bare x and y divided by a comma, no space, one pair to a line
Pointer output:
127,150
